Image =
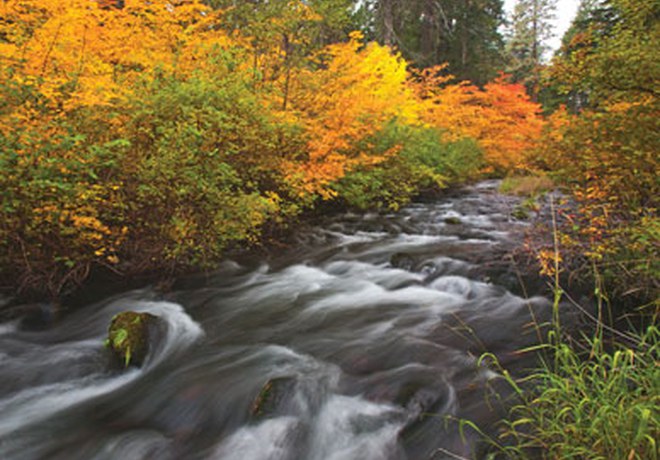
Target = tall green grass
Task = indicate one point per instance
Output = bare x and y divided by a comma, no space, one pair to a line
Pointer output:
598,404
589,398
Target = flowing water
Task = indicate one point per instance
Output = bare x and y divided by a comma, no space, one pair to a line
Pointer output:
367,334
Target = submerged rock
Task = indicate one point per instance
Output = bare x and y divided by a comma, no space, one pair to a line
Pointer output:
402,260
274,396
453,220
38,316
129,337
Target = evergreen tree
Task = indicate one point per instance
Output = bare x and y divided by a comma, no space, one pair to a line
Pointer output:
530,30
330,22
283,33
611,52
463,33
593,16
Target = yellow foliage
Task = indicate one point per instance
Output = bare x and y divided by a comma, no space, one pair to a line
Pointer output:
147,114
356,91
85,55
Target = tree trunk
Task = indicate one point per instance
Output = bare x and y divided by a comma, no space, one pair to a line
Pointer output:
387,15
429,34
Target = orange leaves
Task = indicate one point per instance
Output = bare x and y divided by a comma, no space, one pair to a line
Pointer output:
82,53
149,116
500,116
355,92
549,261
85,54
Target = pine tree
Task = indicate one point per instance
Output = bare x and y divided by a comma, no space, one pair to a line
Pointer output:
530,30
462,33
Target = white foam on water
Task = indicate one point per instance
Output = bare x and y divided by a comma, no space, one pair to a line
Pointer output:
413,239
40,402
286,361
133,445
385,276
8,328
499,234
461,286
360,237
41,357
352,428
182,330
364,294
269,440
287,286
407,242
379,329
458,285
478,221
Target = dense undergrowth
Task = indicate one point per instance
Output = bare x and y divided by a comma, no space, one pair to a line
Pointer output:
595,394
589,399
145,138
148,138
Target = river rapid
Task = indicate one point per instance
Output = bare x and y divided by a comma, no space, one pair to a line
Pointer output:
367,333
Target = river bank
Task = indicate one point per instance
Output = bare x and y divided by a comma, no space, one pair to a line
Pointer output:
375,320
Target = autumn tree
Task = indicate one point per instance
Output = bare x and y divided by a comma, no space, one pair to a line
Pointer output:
500,116
610,53
151,136
114,122
357,89
607,153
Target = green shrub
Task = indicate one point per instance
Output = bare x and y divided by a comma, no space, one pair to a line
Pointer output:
421,160
169,181
59,209
195,183
526,185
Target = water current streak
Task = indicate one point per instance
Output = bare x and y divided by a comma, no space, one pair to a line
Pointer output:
368,332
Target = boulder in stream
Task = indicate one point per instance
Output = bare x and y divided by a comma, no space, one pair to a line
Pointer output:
402,261
453,220
129,337
273,397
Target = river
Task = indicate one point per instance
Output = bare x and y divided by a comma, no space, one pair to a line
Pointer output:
367,331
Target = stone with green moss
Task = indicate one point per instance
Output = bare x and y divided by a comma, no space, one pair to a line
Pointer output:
129,337
274,396
520,213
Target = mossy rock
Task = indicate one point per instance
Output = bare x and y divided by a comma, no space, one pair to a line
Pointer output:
520,213
523,210
129,337
273,397
453,221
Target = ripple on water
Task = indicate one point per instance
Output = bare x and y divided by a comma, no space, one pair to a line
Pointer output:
371,320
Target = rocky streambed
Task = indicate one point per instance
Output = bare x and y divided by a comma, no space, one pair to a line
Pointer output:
361,341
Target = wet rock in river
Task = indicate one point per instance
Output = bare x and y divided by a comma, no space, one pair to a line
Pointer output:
402,260
453,220
38,316
130,336
273,396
